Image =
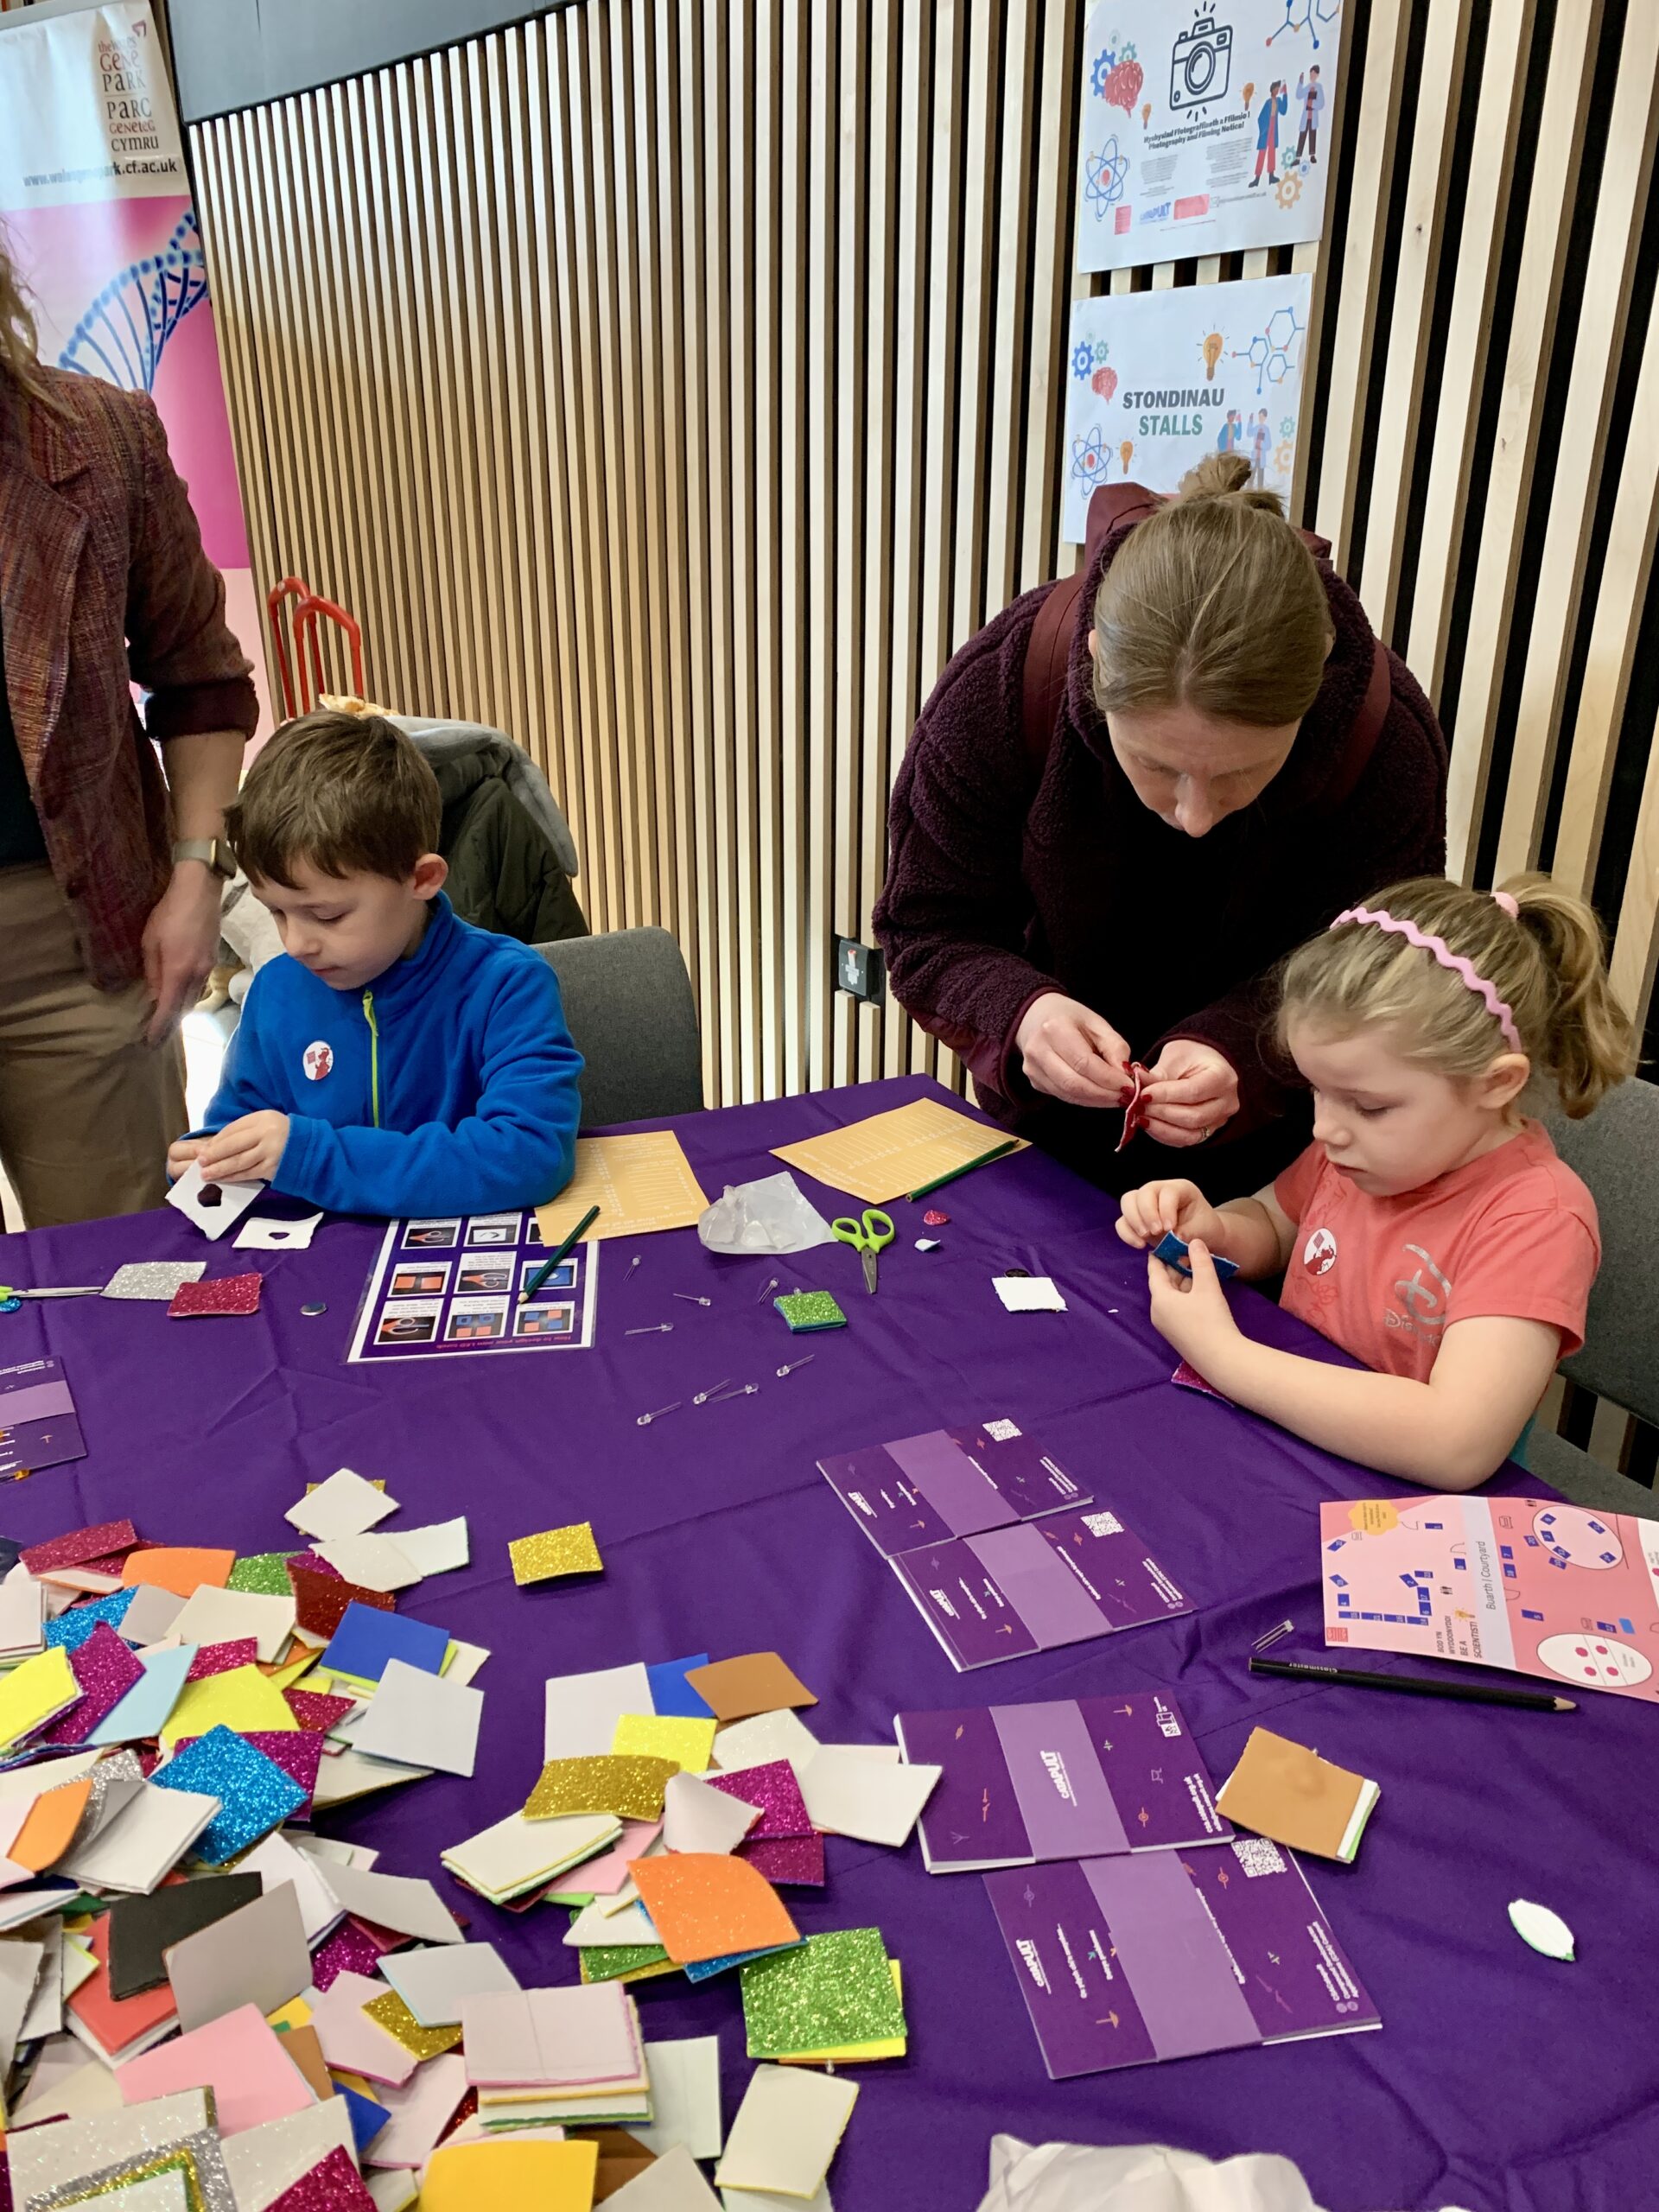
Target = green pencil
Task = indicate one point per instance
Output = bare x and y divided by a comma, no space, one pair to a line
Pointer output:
967,1167
547,1265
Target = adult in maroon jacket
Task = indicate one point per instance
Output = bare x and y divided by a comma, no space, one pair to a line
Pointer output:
1234,759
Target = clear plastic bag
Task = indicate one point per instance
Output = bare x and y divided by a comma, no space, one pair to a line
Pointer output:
1083,2177
770,1216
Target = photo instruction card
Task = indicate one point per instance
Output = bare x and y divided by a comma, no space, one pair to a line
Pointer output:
1063,1778
1532,1584
1125,1962
450,1285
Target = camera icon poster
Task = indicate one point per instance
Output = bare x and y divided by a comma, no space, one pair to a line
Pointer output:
1205,128
1155,380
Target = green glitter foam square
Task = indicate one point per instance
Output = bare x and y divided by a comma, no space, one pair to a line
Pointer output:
264,1574
811,1309
829,1992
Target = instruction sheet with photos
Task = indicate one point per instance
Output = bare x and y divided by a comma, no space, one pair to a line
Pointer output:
450,1285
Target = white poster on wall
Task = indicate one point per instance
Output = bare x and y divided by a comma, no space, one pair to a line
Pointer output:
1203,127
1158,378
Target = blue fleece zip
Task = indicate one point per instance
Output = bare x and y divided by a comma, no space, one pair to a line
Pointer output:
450,1086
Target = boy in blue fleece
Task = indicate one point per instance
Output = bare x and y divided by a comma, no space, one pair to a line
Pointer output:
394,1060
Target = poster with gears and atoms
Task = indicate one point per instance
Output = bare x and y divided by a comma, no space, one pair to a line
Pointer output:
1204,127
1155,380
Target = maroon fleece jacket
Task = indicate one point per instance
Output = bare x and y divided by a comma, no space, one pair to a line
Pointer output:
1000,887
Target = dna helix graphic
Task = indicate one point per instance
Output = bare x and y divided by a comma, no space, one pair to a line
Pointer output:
123,333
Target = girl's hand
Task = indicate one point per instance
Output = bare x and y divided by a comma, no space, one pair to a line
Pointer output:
1191,1312
1194,1089
1156,1209
1068,1051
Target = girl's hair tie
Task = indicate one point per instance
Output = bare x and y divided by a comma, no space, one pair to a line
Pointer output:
1506,900
1454,962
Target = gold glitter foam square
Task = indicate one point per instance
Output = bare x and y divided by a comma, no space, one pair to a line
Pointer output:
630,1788
556,1551
391,2013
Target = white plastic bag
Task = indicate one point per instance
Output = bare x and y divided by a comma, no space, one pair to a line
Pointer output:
770,1216
1144,2177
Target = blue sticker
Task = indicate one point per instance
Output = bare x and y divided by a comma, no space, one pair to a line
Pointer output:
1171,1250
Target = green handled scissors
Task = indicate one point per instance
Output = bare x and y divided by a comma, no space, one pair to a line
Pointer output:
11,1299
868,1238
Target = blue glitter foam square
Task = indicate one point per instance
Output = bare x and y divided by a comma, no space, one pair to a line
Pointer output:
254,1795
71,1630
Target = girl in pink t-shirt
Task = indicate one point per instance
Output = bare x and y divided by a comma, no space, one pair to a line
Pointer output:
1430,1228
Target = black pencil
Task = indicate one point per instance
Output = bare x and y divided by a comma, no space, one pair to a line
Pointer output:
1415,1686
548,1265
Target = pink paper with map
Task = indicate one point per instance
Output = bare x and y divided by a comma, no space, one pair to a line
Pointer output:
1528,1583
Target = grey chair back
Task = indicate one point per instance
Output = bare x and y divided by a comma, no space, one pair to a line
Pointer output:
1616,1150
628,998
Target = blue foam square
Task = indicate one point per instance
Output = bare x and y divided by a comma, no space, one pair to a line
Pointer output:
367,2118
1173,1252
254,1795
672,1695
703,1968
366,1638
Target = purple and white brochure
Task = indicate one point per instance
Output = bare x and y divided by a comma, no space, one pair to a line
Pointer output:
1123,1961
38,1428
950,1483
1069,1778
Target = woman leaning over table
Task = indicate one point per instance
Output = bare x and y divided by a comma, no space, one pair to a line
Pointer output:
1232,760
111,861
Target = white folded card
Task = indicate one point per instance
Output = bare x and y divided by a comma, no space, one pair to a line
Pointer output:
786,2130
213,1207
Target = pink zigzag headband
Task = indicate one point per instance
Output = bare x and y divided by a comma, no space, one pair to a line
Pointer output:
1378,918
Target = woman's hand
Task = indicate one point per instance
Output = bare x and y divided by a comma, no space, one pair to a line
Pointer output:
1068,1051
1193,1090
181,944
1157,1209
1191,1312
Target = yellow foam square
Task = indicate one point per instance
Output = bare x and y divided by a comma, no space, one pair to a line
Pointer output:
31,1693
241,1698
666,1736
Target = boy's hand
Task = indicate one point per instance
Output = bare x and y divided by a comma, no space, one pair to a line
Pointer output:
1156,1209
180,1154
247,1151
1191,1312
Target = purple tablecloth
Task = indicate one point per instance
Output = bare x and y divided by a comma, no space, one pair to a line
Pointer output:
1500,2081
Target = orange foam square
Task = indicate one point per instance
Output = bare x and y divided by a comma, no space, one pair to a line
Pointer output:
180,1568
706,1905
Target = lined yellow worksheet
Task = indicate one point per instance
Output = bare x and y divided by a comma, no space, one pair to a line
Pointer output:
892,1153
639,1184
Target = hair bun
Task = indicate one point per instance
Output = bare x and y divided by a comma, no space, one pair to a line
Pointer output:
1226,476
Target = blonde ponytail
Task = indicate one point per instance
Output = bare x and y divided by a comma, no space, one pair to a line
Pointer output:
1214,603
21,374
1591,1045
1544,960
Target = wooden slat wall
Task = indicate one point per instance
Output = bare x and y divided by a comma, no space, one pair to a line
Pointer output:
676,383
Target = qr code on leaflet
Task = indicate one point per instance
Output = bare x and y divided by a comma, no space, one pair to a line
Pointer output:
1001,1430
1257,1856
1102,1524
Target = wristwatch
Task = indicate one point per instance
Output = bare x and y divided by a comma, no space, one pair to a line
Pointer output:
213,852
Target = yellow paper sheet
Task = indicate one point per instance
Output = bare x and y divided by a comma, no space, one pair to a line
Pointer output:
893,1153
640,1184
